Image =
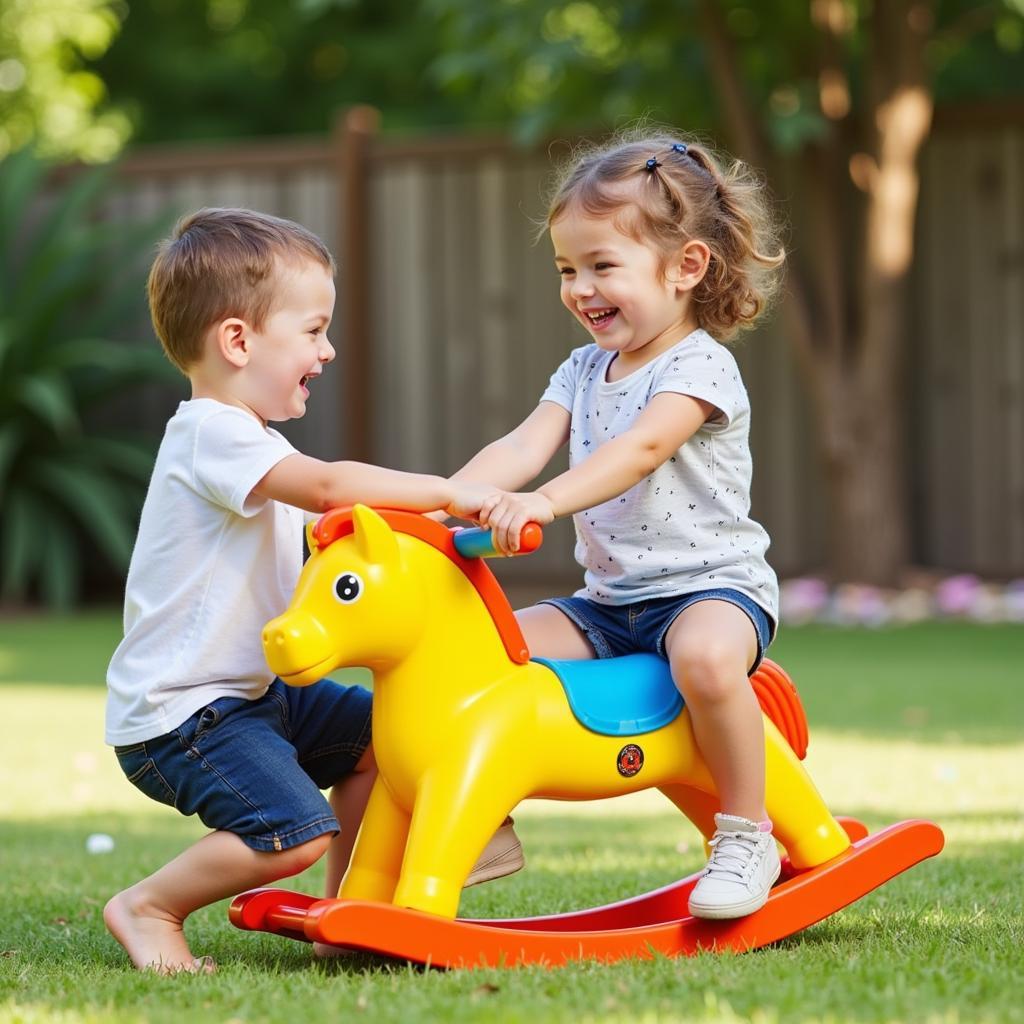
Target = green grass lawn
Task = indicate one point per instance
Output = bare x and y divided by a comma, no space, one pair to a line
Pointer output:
923,721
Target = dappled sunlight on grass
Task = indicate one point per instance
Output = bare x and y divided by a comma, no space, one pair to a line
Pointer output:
55,762
974,834
878,777
41,1013
921,778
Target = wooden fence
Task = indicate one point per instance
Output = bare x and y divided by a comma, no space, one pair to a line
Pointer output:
969,379
450,310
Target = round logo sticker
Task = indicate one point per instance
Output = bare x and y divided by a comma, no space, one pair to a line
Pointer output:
631,760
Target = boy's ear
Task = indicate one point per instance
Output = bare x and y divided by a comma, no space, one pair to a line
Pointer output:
232,341
690,265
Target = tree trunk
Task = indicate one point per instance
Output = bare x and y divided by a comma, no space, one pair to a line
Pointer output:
855,360
846,307
865,448
862,448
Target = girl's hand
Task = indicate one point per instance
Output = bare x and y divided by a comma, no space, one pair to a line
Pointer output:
506,514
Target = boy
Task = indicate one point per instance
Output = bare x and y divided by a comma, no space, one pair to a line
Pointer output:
241,302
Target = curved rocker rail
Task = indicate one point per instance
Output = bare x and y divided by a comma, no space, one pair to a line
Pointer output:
645,926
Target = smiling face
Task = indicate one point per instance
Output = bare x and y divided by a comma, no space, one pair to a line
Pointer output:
292,347
618,288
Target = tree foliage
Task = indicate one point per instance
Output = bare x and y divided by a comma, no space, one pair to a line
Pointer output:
47,93
199,69
591,64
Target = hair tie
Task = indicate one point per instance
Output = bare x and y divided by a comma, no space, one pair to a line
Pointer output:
653,164
680,148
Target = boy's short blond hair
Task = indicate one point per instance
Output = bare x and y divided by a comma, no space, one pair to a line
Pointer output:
221,263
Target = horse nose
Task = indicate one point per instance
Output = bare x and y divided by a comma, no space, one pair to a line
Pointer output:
278,637
278,640
293,641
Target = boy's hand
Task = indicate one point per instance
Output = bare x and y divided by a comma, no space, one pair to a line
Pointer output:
468,498
506,514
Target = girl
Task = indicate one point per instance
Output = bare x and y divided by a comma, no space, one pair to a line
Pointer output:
660,253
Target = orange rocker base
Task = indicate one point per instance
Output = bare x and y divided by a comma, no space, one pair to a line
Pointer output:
653,924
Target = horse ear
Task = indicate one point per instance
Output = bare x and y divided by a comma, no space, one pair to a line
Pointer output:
375,540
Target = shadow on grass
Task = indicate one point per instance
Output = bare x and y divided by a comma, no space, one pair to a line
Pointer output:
948,682
65,650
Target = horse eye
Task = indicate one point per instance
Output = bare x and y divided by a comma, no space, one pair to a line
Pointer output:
348,587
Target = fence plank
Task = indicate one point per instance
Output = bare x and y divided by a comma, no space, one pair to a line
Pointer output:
946,349
984,344
460,411
1012,270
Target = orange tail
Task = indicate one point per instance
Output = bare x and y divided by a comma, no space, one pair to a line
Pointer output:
781,703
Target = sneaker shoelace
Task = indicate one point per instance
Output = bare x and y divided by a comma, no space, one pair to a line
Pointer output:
733,853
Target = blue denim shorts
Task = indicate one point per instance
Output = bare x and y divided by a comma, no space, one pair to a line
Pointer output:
256,767
617,629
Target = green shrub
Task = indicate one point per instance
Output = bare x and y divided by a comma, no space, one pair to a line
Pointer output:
69,280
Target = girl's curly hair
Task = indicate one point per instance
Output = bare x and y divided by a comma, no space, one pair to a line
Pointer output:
665,190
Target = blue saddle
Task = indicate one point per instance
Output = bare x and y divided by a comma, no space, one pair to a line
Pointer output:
619,696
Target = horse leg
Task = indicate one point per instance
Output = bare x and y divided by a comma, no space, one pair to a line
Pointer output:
802,822
700,807
380,845
452,820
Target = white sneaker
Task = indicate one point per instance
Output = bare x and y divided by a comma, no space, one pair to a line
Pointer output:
503,855
744,866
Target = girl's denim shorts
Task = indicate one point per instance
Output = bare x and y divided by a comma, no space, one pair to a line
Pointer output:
617,629
256,767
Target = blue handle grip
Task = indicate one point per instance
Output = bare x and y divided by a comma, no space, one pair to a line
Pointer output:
476,542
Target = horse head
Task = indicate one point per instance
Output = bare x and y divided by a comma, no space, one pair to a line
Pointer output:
352,591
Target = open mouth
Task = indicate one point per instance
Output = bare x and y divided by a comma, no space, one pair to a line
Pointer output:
598,318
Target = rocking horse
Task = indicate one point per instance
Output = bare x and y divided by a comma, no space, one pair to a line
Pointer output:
466,725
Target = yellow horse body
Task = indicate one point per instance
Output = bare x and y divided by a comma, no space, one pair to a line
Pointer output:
464,727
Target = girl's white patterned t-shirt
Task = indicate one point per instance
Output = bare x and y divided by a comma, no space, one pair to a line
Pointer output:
687,526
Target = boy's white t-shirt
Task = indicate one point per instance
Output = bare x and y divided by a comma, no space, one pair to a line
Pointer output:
212,563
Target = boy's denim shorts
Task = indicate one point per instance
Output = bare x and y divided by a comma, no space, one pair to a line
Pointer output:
617,629
256,767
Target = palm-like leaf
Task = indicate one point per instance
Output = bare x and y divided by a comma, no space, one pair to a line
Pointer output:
67,281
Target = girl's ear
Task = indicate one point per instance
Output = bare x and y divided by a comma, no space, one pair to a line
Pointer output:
691,264
232,341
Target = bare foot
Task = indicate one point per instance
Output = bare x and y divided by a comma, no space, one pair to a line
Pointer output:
154,940
200,965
